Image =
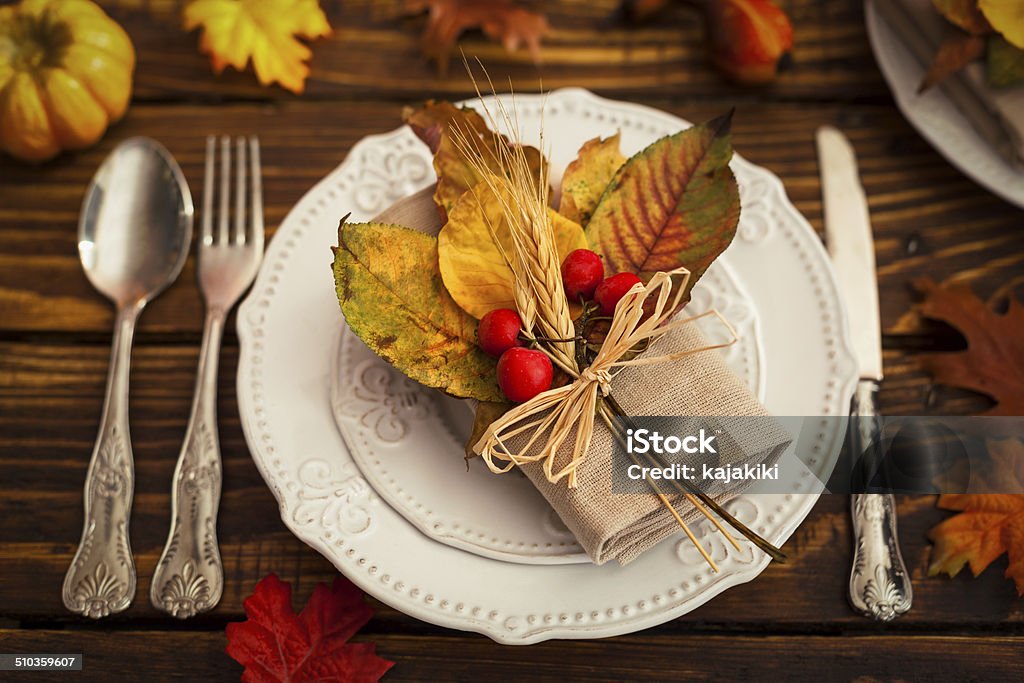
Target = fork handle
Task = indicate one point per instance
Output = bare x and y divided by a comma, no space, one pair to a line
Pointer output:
189,578
879,582
101,578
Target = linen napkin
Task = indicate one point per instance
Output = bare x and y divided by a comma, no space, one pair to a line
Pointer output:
612,525
996,113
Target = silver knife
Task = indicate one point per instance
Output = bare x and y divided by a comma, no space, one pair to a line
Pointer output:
879,582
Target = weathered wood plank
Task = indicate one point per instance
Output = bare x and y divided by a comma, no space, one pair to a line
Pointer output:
928,219
176,655
50,399
375,51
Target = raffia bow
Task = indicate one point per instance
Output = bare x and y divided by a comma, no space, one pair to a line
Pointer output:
552,416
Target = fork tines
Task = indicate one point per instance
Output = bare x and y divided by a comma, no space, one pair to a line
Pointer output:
246,193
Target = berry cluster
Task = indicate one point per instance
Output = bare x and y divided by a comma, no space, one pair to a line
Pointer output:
522,372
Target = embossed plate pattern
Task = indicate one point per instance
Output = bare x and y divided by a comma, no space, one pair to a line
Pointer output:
289,330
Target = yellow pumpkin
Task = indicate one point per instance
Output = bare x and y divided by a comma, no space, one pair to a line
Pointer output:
65,74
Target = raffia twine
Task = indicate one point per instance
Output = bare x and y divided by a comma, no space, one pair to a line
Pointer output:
550,418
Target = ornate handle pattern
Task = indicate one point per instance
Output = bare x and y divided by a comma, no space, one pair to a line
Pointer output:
101,578
879,583
189,577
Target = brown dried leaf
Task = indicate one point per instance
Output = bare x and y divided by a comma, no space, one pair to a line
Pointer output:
993,363
506,21
957,50
433,123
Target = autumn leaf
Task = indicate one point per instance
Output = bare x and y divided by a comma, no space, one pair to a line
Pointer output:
275,645
235,31
987,525
674,204
473,266
1004,63
993,363
1006,17
506,21
957,50
965,14
587,176
433,123
486,413
391,293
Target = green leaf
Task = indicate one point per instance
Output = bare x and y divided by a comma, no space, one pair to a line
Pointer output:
1004,63
391,293
674,204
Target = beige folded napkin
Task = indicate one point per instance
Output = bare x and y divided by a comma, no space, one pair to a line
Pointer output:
996,113
620,526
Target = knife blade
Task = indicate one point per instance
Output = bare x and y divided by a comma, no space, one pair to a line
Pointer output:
879,582
851,246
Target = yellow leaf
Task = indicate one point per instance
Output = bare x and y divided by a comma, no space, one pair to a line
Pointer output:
587,177
235,31
473,268
1007,17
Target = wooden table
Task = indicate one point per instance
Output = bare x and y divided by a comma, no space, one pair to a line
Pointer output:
55,331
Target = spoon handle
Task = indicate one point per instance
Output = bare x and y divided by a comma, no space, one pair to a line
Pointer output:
189,577
101,579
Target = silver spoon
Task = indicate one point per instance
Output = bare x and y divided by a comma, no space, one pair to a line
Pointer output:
133,238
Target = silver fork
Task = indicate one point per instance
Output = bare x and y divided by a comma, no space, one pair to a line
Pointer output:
189,578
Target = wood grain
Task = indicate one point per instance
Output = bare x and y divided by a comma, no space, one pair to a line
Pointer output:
50,398
374,51
928,219
648,656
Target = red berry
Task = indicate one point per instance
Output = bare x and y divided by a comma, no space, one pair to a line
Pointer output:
524,373
612,289
498,331
582,272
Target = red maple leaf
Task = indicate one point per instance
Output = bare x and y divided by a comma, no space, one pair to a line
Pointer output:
277,646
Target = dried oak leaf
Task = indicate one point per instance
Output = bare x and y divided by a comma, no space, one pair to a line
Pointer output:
275,645
987,525
957,50
235,31
993,363
503,20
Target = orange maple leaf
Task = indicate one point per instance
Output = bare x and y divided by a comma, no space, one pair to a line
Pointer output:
987,525
993,363
235,31
503,20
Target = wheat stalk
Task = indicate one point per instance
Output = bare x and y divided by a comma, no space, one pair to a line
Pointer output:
538,292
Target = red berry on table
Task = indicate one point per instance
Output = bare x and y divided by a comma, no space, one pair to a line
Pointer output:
582,272
612,289
524,373
498,331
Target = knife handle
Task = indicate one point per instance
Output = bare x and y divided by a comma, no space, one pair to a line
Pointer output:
879,582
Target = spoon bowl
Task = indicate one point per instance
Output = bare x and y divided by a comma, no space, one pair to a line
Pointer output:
136,223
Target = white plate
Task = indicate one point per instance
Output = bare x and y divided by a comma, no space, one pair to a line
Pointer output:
408,440
289,329
936,118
